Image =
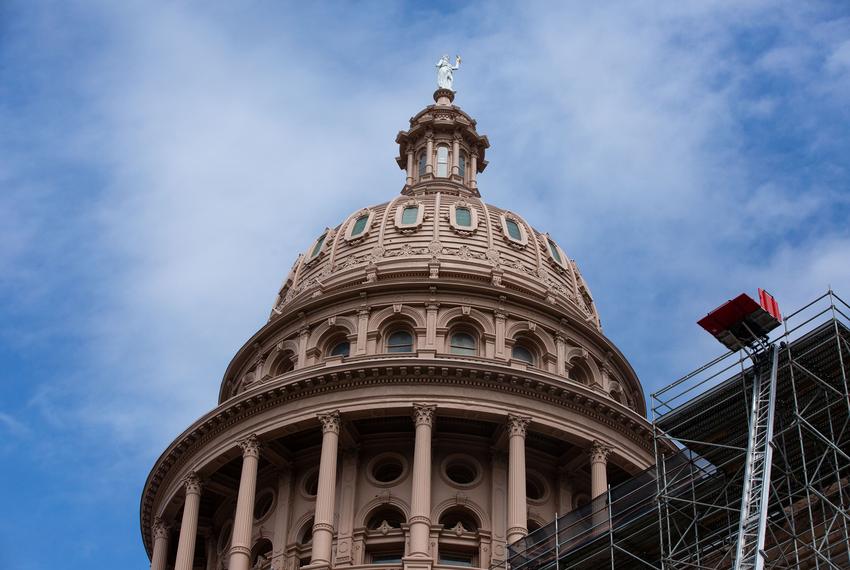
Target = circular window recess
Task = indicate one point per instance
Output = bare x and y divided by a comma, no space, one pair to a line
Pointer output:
387,469
461,470
310,484
263,504
535,488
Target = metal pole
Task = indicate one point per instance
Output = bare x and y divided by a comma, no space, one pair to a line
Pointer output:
557,545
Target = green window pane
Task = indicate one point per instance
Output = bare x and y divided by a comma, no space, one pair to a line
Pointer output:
513,229
463,217
463,343
522,353
400,341
409,215
318,247
359,225
554,249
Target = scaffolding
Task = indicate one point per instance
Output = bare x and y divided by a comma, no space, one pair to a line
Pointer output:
686,510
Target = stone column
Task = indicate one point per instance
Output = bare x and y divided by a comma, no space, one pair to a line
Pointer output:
456,156
189,524
429,155
499,474
599,481
303,335
160,544
243,520
348,487
420,505
323,523
409,180
517,505
561,349
473,171
281,517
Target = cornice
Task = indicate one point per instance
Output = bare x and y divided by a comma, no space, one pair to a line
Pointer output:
376,371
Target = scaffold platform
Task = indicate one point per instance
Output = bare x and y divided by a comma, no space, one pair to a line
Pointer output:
683,512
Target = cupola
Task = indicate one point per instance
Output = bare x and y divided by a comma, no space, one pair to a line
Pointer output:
442,151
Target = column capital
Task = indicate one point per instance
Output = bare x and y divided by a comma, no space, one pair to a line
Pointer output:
423,414
598,452
303,331
250,446
160,529
330,421
518,425
192,483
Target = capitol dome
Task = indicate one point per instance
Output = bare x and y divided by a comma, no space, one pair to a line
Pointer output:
432,382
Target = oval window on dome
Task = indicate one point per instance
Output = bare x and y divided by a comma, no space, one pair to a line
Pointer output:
553,249
318,247
523,354
409,215
463,217
400,341
463,343
359,225
513,229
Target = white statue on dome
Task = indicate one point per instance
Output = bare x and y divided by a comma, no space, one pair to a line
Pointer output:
445,72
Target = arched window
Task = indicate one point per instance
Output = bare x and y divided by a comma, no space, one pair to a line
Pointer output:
283,364
459,540
461,165
463,343
384,538
522,353
409,215
553,250
400,341
261,554
442,161
390,515
305,543
423,162
317,249
341,348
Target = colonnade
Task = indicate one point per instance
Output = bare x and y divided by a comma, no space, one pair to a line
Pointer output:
420,509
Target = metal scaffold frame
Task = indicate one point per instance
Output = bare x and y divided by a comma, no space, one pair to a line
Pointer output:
685,512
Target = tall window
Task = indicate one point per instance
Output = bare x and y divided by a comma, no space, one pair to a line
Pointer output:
461,165
423,161
463,217
442,161
523,354
400,341
463,343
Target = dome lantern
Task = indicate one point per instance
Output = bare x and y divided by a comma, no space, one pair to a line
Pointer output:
441,151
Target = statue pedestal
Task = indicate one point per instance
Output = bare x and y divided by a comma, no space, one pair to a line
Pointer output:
444,96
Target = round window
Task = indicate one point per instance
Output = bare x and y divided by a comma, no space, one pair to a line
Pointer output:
535,488
387,470
263,504
461,470
311,483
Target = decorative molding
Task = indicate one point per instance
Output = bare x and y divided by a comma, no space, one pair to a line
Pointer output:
423,414
330,422
599,452
160,529
250,446
192,483
518,425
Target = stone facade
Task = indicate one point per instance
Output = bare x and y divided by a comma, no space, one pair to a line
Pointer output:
432,383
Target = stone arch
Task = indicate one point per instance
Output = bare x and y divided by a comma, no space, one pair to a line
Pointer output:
380,319
477,318
299,527
325,329
471,506
535,333
283,350
585,364
362,517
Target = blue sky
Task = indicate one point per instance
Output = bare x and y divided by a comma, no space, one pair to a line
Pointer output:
162,164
